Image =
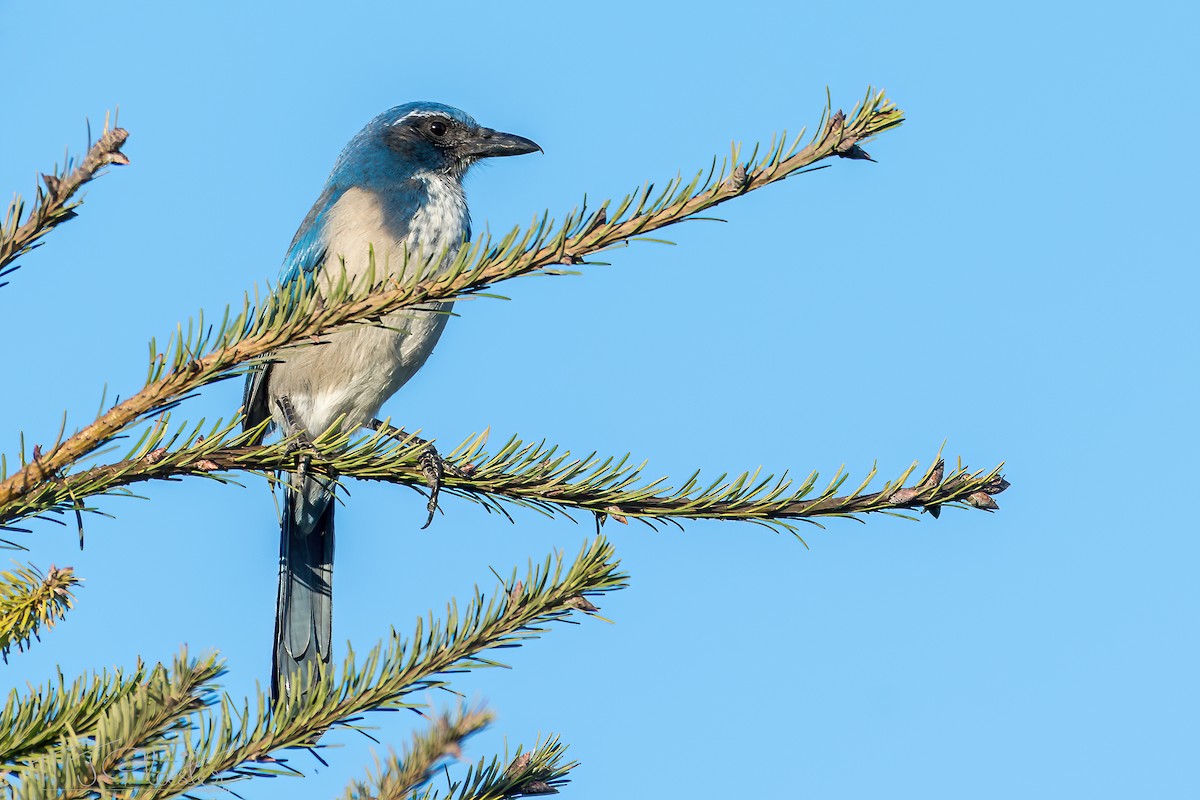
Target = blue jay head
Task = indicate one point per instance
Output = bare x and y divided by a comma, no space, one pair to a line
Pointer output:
425,137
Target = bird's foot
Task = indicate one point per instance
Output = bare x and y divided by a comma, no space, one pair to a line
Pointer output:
433,466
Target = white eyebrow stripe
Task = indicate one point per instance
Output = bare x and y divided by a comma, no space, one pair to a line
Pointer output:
419,114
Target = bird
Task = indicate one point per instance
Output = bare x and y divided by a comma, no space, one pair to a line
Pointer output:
394,203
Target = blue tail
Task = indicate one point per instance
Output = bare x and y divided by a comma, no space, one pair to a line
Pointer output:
303,610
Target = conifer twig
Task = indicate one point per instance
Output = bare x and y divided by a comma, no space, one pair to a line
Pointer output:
525,474
30,601
132,731
401,774
537,771
52,204
31,725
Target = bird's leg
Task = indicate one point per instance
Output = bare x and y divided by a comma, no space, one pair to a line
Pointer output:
433,466
303,440
404,437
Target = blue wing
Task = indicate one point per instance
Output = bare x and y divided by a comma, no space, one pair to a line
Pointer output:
304,257
307,251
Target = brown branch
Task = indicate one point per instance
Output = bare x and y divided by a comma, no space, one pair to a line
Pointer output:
836,140
51,207
574,486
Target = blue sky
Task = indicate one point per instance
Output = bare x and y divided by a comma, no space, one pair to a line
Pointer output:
1015,276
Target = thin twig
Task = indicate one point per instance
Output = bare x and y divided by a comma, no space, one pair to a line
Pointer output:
583,485
51,208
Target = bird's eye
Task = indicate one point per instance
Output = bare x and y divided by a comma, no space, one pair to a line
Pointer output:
437,128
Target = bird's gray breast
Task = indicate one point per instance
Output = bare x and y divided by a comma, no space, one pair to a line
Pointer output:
352,372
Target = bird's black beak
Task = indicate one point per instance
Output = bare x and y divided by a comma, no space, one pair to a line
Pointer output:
487,143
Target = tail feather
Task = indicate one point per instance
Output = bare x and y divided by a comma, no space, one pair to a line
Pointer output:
303,611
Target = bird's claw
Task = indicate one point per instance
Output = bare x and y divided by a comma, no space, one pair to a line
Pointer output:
433,467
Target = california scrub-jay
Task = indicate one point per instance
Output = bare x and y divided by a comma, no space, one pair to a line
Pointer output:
394,198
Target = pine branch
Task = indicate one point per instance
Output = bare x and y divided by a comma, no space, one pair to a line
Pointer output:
400,775
29,601
527,475
533,772
52,204
230,743
30,726
133,730
205,355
